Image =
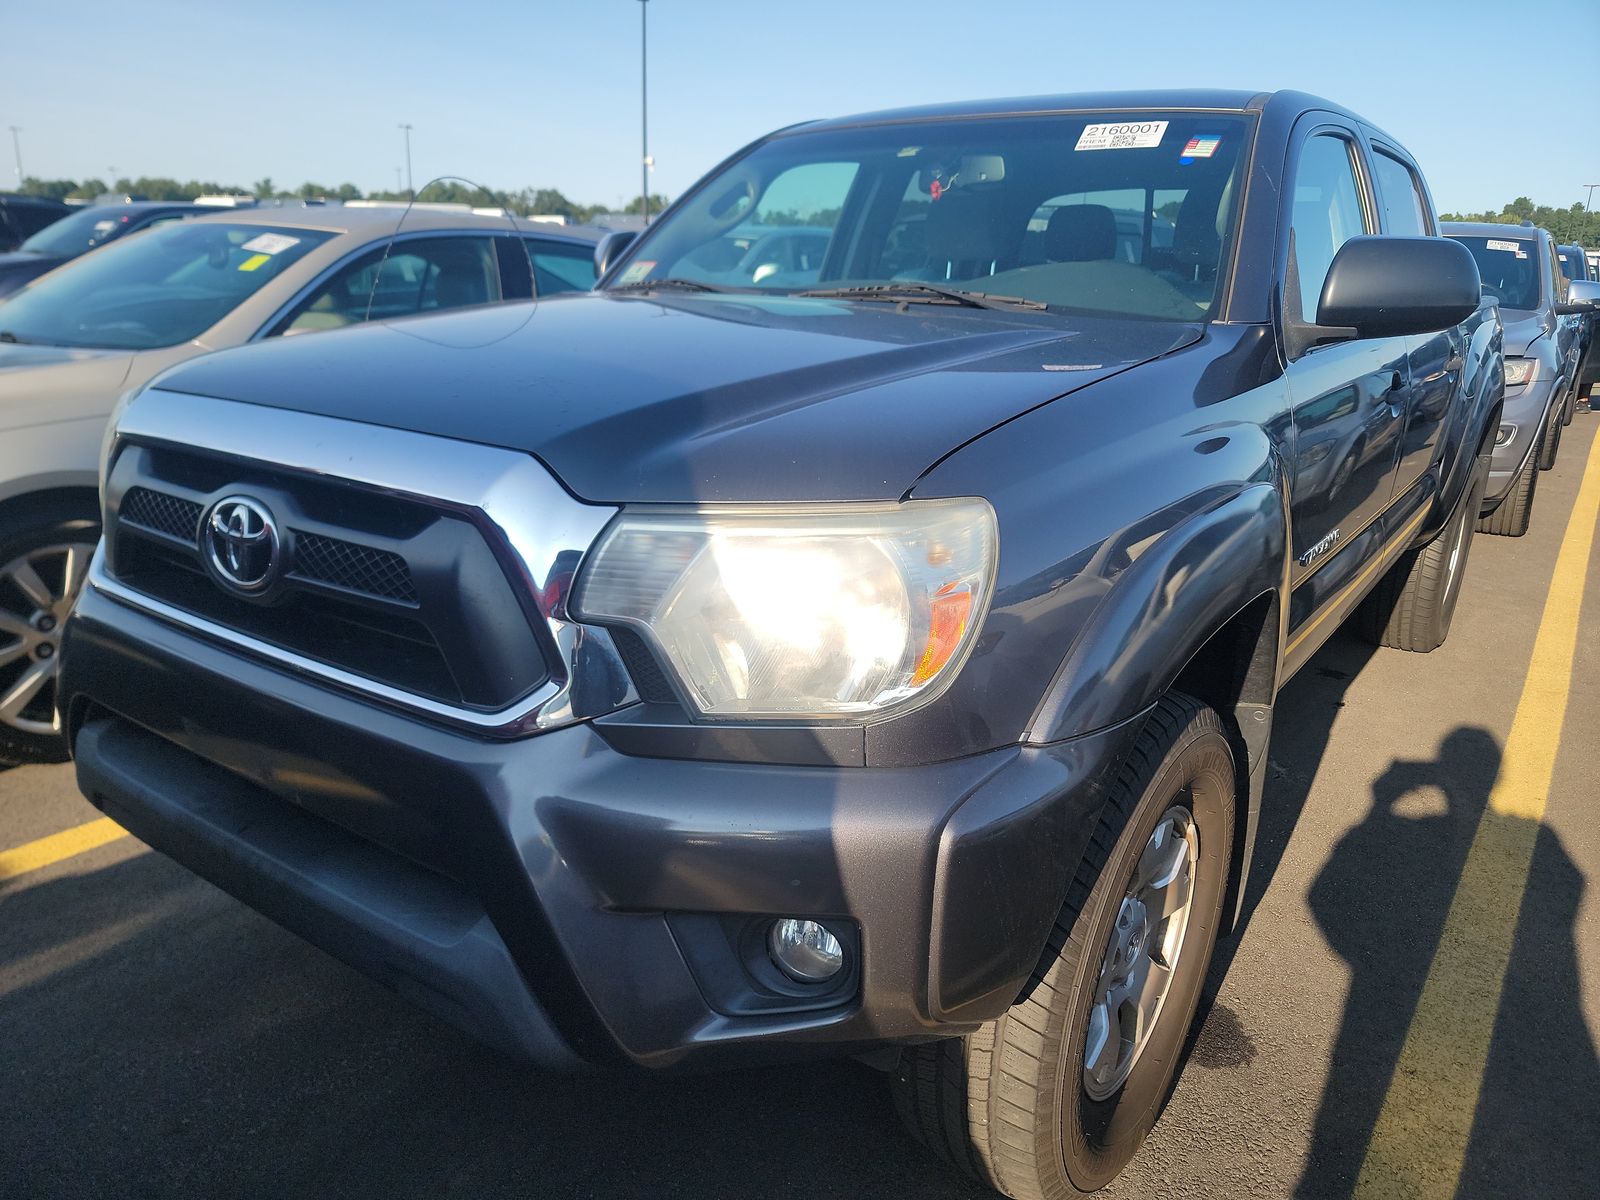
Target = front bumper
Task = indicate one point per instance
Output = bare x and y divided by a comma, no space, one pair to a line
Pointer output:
564,901
1528,409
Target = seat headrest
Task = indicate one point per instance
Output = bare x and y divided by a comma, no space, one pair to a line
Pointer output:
1080,233
961,230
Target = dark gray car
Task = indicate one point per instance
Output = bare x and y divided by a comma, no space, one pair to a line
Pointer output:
1520,271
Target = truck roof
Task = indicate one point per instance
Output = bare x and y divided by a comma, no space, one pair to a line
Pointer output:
1204,99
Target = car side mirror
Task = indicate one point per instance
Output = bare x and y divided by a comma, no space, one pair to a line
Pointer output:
1583,296
609,248
1392,286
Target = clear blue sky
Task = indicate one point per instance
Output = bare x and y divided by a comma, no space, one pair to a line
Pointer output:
1495,99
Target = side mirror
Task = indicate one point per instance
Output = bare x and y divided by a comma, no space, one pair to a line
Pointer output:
609,248
1392,286
1583,296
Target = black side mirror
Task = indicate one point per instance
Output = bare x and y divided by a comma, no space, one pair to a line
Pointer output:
609,248
1583,296
1391,286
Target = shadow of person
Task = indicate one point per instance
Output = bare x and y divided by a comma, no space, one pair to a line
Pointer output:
1381,901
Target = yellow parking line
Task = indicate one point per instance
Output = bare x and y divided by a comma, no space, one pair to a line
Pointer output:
32,855
1420,1140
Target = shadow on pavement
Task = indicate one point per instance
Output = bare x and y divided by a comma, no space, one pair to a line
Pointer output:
1535,1117
162,1040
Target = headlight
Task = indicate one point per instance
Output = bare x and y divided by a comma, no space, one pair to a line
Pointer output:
1520,371
849,611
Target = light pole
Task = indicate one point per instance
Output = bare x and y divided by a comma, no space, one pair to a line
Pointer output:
410,194
16,148
1586,199
644,109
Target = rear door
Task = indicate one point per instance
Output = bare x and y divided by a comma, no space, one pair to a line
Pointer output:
1434,361
1348,397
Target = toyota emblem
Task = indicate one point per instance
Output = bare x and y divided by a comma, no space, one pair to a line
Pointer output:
241,544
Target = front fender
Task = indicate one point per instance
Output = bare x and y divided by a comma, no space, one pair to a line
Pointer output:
1160,611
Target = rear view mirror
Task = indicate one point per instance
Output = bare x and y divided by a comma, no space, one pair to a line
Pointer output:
609,248
1391,286
1583,296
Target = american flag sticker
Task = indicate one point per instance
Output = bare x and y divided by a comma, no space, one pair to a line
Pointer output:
1203,146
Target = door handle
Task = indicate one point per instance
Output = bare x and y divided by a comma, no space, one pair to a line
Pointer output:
1396,395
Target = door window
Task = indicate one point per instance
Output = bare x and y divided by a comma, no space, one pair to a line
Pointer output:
1398,195
419,275
1327,212
560,267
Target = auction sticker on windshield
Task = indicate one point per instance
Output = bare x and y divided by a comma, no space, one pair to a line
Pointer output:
1121,135
270,243
1493,244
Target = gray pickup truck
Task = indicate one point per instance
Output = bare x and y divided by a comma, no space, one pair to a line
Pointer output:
861,641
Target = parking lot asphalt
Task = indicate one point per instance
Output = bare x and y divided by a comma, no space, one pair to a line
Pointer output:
1411,1007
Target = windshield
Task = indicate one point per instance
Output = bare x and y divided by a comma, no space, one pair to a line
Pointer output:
1509,267
158,289
80,232
1572,264
1098,213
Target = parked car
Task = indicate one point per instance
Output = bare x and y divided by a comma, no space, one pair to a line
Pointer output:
82,231
1519,270
74,340
885,664
23,216
1576,266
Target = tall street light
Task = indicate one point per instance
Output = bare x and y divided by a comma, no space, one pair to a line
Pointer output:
16,148
644,109
1586,199
410,194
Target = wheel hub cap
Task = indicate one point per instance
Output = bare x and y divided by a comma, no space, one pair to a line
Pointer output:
37,590
1141,955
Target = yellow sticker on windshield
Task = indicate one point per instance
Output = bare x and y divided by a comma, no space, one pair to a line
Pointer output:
254,261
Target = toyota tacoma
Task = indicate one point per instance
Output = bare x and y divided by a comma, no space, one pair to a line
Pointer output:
852,629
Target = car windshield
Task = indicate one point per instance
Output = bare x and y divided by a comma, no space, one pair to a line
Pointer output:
1509,267
1572,264
1105,213
157,289
82,231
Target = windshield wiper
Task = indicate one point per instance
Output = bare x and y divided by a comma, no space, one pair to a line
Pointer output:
650,285
926,293
7,336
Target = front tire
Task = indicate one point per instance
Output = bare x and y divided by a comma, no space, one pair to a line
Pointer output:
42,566
1413,604
1515,513
1056,1096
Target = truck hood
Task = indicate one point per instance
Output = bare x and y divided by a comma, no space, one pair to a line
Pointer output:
1522,329
710,398
44,384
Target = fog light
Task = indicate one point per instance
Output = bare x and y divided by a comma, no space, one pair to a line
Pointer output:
1505,434
806,952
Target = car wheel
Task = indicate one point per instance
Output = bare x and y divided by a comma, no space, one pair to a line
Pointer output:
1516,510
1550,446
1412,606
1054,1097
41,571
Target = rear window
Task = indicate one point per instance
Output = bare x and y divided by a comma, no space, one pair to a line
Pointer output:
1509,267
159,289
82,231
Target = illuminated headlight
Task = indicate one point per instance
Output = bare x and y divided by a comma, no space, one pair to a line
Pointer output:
1520,371
843,612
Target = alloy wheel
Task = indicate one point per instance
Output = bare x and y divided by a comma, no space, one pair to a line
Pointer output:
37,590
1141,956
